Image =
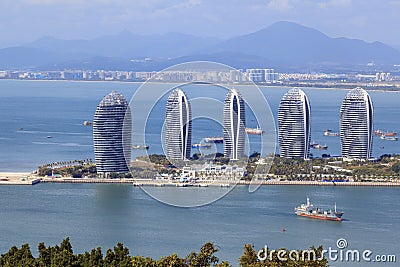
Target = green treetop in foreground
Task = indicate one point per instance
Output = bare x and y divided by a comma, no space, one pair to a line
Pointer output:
63,255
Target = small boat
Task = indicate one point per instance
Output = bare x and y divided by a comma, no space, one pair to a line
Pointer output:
308,210
184,184
256,131
214,139
313,144
320,147
328,132
87,123
201,146
389,137
140,147
49,136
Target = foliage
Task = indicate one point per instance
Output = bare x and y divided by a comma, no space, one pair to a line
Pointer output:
73,168
63,255
250,258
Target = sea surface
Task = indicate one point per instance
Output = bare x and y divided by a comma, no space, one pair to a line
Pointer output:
104,214
33,111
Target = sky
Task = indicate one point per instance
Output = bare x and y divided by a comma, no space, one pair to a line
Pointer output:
22,21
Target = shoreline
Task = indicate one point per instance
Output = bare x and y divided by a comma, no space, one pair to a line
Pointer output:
25,178
206,183
19,178
377,89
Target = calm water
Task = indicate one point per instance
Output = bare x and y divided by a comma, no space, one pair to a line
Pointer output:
107,214
58,109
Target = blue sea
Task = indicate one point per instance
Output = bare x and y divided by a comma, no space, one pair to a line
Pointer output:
102,215
31,111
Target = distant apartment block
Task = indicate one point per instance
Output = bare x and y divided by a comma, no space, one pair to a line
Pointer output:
210,171
262,75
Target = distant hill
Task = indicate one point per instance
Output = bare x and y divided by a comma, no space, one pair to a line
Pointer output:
27,57
236,60
396,47
129,45
294,44
283,45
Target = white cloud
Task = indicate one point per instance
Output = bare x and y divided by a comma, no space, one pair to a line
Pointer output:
180,6
335,3
279,5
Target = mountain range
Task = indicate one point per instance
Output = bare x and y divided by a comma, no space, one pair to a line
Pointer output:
283,45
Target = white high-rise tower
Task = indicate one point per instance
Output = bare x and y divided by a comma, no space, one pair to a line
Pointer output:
356,125
234,124
178,126
294,125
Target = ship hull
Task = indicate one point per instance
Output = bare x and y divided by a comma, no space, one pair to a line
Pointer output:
320,217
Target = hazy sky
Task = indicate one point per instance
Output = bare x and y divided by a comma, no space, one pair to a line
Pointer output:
25,20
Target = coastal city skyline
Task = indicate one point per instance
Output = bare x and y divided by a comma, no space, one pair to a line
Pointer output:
193,133
262,77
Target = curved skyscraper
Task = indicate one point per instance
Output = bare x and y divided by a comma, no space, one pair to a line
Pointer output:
294,124
356,125
112,126
178,126
234,124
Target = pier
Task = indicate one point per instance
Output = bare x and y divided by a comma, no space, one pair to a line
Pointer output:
18,178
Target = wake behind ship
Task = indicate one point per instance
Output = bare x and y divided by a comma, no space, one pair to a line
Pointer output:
308,210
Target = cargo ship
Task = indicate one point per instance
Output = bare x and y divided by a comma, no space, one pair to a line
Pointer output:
308,210
257,131
383,133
